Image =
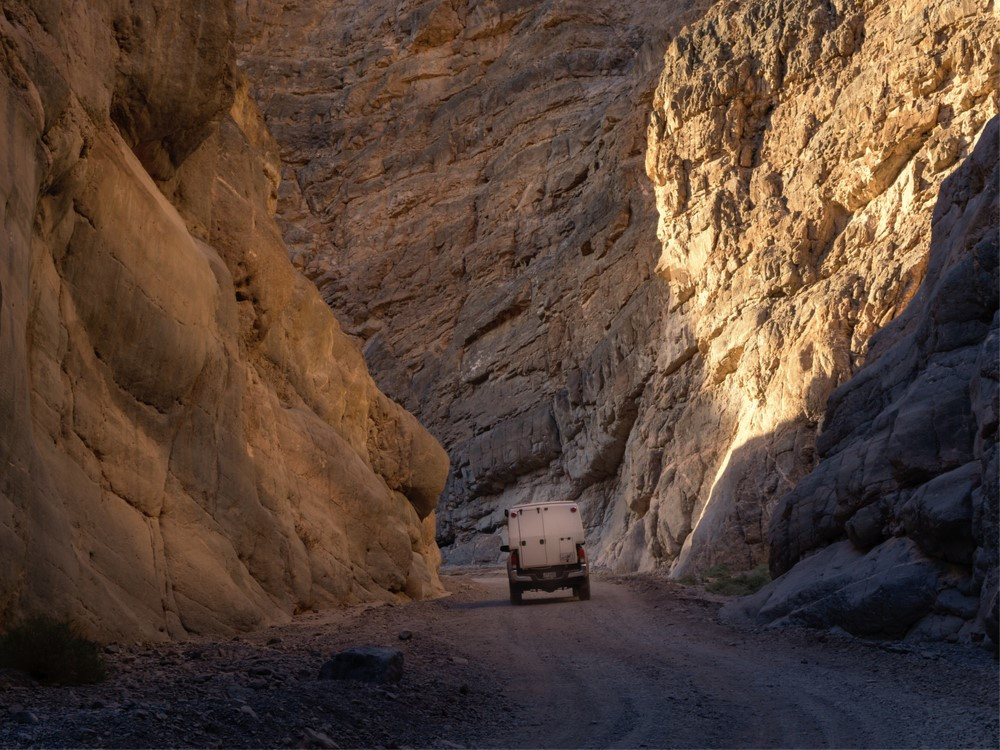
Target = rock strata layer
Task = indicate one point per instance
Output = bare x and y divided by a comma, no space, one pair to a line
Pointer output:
190,444
464,183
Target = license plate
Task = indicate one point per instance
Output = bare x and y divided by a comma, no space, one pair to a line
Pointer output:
549,575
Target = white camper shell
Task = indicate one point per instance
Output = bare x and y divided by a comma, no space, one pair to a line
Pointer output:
545,541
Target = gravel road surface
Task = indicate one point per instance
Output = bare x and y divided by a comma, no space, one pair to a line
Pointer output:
644,663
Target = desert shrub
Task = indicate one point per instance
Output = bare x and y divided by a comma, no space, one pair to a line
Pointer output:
719,580
51,651
716,571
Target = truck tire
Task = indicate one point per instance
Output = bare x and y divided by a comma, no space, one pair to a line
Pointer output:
583,591
515,594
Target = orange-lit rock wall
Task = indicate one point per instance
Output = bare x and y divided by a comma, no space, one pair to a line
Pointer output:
189,442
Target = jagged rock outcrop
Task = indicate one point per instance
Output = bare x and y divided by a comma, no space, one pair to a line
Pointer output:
189,442
462,187
895,531
796,220
798,149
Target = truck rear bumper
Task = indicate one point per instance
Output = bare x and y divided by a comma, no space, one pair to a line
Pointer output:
548,579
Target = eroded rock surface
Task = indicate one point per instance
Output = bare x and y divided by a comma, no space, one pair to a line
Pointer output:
797,150
465,185
190,444
898,522
462,186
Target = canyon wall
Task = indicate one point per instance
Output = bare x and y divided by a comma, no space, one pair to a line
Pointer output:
463,184
712,270
798,151
895,532
190,444
800,155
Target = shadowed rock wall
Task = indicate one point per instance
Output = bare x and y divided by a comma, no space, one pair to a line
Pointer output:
895,531
797,150
798,154
189,443
464,183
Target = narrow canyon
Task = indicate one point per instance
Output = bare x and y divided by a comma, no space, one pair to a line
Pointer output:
297,298
627,253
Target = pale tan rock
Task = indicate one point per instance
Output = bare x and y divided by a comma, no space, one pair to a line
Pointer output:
797,152
190,442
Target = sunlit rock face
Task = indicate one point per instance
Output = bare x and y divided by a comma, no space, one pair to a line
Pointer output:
465,184
189,442
798,150
895,531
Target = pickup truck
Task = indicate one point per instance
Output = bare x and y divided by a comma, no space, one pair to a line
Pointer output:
545,542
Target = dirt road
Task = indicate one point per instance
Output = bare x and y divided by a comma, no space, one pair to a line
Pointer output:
647,666
642,664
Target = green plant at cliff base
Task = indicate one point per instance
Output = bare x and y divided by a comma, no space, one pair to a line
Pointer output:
51,651
719,580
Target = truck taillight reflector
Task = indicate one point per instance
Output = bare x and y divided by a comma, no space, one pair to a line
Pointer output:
514,561
580,554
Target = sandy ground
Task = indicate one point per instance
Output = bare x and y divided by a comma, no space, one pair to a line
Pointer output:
644,663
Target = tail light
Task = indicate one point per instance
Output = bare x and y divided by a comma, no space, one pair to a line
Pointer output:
515,561
581,556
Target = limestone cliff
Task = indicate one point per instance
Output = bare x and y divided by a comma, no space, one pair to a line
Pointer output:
189,442
896,529
798,150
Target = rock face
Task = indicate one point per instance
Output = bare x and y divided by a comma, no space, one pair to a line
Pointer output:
189,443
465,185
898,522
797,150
462,187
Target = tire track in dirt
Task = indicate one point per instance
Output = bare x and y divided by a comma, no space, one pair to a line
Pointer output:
630,670
644,663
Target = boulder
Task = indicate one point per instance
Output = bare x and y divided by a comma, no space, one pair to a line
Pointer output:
881,593
365,664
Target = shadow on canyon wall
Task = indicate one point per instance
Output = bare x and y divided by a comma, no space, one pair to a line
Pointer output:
896,530
485,229
468,192
896,527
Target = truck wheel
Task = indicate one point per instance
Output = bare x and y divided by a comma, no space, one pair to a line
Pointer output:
515,594
583,591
